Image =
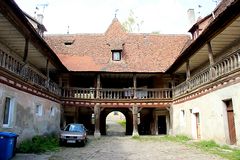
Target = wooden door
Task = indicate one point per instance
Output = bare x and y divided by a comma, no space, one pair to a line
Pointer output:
162,126
231,123
198,126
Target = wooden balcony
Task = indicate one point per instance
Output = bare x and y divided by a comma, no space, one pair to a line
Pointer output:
221,68
117,94
27,73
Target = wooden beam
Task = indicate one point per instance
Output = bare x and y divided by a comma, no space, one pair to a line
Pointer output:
210,53
188,74
98,86
47,69
25,56
211,60
135,120
97,111
134,86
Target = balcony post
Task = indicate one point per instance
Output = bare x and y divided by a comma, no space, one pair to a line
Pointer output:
134,86
97,112
211,60
135,120
25,56
47,73
188,74
98,86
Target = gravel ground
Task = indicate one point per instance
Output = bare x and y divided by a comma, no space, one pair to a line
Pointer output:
115,146
123,148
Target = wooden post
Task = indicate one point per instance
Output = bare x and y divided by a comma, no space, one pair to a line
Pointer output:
135,120
98,86
187,70
25,56
211,60
188,74
134,86
97,112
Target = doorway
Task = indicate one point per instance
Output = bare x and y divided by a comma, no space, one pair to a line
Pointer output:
198,129
162,126
115,124
231,122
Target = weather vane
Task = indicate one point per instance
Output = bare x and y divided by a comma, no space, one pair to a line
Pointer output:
116,12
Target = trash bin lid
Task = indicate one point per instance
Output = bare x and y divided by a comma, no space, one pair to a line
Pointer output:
8,134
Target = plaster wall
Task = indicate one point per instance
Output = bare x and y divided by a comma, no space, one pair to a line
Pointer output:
212,113
25,122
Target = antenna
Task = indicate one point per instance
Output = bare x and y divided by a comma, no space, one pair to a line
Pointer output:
43,6
116,12
68,30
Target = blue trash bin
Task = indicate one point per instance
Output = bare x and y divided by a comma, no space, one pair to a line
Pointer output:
7,145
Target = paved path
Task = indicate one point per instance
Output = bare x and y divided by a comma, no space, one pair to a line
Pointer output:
123,148
114,128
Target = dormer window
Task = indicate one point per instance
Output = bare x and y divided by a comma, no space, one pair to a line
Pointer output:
69,42
116,55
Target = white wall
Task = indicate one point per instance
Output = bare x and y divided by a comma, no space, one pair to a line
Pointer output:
213,115
26,122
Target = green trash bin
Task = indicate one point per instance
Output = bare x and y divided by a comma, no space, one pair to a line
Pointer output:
8,142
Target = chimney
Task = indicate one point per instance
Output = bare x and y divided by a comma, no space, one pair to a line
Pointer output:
191,16
40,18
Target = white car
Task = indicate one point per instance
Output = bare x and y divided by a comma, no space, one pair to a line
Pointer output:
73,133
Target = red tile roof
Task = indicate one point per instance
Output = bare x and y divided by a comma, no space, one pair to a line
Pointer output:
141,52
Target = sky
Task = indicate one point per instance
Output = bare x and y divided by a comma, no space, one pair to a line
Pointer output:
94,16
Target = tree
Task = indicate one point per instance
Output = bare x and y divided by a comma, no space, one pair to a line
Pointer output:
132,24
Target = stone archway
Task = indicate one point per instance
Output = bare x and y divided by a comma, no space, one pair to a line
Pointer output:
127,114
115,124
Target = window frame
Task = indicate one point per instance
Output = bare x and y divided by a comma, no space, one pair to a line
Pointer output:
38,109
119,53
10,112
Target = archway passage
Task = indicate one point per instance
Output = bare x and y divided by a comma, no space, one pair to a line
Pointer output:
124,112
115,124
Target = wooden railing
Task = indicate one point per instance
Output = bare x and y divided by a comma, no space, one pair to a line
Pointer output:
228,64
27,73
117,94
79,93
222,67
110,93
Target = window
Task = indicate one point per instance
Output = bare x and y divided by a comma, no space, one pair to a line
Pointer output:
39,110
8,112
116,55
182,118
52,111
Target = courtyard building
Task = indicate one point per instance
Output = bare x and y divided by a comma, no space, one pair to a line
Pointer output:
162,83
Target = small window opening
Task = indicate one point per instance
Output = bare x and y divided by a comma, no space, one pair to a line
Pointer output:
116,55
39,110
68,43
8,112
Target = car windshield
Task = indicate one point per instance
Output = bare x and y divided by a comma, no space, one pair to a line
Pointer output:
74,128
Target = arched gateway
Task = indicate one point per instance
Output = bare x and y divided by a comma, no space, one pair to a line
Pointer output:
141,118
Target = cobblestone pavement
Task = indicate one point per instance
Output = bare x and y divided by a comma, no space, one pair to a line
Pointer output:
123,148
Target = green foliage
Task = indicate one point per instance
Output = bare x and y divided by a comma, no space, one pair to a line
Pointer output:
223,151
122,123
207,144
39,144
178,138
132,24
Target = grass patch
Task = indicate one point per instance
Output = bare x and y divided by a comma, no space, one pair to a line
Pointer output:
122,123
178,138
207,146
39,144
223,151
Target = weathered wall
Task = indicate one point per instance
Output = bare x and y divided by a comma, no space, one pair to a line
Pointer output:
26,122
213,115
